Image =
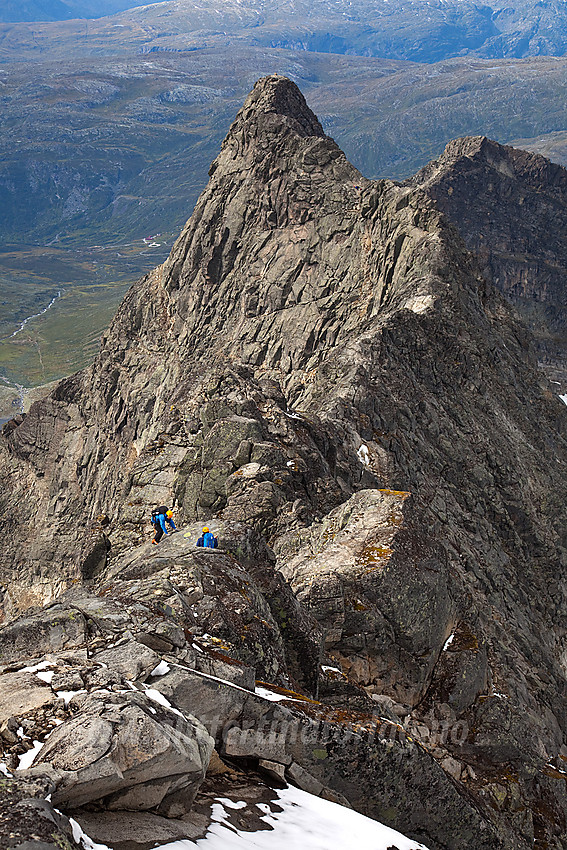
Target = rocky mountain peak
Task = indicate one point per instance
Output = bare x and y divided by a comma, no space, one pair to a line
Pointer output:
274,116
510,162
321,371
510,207
469,154
277,95
470,146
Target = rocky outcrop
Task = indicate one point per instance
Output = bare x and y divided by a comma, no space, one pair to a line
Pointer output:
130,753
320,363
29,821
123,728
510,207
364,603
64,628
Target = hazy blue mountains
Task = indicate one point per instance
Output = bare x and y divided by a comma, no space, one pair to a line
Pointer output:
60,10
413,30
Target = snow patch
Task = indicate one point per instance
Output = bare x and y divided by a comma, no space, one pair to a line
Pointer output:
162,668
46,676
449,641
83,839
364,455
563,398
306,821
4,770
68,695
26,760
158,697
269,695
42,666
264,807
232,804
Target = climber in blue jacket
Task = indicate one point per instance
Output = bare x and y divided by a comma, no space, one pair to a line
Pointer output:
161,516
207,539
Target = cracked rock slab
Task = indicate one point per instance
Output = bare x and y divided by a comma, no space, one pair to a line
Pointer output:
130,751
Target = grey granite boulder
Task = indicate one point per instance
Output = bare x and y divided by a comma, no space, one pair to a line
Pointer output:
55,628
131,659
129,751
21,693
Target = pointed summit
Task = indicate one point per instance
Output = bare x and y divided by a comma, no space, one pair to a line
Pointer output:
275,116
276,95
276,169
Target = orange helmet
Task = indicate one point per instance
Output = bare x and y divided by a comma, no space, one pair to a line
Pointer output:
205,530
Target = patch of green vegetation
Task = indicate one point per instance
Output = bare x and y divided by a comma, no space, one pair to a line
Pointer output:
320,754
60,340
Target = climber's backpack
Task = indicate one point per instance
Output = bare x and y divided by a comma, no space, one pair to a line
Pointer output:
210,541
157,512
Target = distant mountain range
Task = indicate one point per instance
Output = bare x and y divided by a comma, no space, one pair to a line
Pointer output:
12,11
414,30
99,149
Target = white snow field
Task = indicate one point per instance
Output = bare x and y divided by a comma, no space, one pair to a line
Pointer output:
306,822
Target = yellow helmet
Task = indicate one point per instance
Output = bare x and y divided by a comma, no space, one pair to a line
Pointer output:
205,530
169,513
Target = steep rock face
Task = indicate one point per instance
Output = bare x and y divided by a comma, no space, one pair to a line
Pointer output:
341,574
510,207
313,340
